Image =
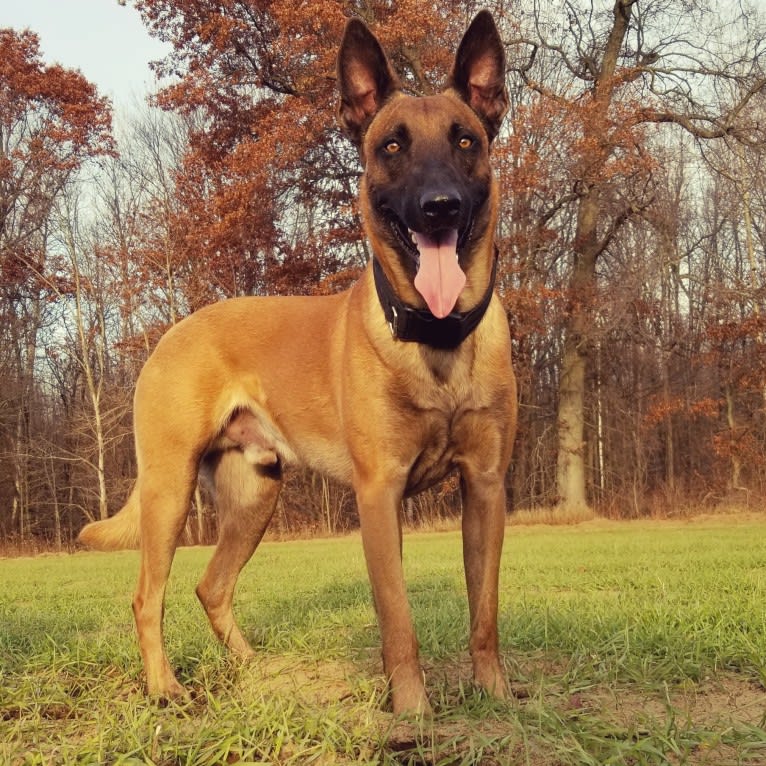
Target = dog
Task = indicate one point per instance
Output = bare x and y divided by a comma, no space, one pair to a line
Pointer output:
388,386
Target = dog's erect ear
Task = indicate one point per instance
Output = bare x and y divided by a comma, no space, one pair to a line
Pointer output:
365,79
478,75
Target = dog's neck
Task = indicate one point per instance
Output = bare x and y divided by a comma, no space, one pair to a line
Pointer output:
420,325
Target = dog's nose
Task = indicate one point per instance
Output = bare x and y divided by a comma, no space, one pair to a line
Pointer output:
441,208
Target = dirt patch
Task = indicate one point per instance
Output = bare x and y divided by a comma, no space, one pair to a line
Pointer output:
313,682
713,704
544,725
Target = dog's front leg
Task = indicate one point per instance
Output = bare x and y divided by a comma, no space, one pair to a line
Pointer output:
483,527
379,504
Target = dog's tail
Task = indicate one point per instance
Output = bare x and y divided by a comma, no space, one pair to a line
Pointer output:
123,530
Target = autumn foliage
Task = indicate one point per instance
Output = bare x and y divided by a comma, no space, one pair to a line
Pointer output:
51,121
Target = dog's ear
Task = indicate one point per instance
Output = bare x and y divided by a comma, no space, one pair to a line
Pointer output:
365,79
478,75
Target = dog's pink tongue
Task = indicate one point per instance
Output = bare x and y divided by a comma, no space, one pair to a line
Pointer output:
440,280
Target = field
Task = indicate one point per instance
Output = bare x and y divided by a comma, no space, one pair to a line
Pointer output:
625,643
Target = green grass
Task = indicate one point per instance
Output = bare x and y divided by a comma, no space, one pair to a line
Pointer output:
625,643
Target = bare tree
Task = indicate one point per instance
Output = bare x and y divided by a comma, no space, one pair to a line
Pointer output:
611,73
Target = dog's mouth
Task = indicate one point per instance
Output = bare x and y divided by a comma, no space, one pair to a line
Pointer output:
439,277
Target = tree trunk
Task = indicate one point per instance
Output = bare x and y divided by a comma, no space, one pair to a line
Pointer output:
19,504
26,354
570,465
735,477
91,354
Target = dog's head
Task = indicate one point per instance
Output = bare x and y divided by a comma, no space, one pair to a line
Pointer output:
427,195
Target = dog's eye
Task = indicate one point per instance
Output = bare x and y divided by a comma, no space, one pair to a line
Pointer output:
392,147
465,142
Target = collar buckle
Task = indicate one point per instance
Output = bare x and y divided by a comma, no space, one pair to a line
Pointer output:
393,323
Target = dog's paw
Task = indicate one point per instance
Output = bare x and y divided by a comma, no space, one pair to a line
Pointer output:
166,687
489,676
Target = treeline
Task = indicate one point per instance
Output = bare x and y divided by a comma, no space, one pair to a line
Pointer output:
631,241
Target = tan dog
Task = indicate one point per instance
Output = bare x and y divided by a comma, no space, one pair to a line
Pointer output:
388,386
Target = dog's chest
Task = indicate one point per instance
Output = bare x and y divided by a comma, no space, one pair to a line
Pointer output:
438,416
431,465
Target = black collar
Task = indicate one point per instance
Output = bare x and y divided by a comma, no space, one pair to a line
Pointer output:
420,325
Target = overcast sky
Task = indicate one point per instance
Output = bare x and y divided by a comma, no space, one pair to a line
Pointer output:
106,41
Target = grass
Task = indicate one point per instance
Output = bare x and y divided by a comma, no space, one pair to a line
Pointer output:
626,643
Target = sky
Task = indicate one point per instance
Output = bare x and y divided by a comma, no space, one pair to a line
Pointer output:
106,41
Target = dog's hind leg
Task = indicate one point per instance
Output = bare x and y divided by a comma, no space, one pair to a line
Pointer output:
165,497
245,498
